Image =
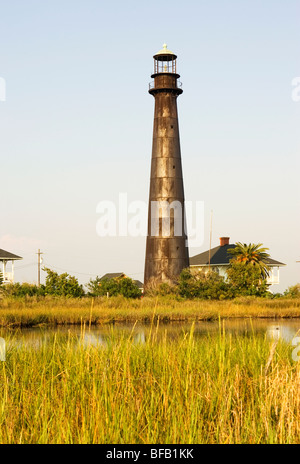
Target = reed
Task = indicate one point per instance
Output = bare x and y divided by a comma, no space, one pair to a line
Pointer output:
32,311
216,389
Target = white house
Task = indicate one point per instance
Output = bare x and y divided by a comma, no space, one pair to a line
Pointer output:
218,260
8,260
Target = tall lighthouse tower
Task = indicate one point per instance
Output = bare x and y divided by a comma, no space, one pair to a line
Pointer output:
166,249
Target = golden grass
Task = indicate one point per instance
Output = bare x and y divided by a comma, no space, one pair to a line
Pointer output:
32,311
216,389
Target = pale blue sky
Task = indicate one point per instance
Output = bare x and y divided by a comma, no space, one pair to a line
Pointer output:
76,126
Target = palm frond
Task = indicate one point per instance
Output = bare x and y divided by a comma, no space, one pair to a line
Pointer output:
255,254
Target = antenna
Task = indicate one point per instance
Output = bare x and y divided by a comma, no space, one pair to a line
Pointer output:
40,260
210,236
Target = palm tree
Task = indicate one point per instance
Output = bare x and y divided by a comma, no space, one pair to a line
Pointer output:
253,254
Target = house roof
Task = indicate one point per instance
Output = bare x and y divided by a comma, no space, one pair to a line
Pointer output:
116,275
138,283
7,255
219,256
112,275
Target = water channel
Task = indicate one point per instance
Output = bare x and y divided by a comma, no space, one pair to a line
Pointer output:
285,329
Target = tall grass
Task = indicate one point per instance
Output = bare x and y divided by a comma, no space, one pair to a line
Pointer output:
216,389
33,311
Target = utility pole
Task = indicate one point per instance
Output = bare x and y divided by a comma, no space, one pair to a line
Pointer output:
39,253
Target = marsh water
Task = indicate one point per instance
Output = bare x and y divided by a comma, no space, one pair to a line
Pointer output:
285,329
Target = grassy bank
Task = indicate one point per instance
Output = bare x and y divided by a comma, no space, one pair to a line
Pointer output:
219,389
31,311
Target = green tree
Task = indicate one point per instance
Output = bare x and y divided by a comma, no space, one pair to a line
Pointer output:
62,285
1,286
210,285
18,290
93,287
252,254
245,278
129,289
118,286
293,291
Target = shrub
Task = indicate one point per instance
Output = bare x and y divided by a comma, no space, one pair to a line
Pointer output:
158,288
18,290
62,285
293,291
113,287
246,279
129,289
208,285
93,287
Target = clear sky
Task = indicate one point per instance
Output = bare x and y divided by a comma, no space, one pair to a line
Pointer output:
76,126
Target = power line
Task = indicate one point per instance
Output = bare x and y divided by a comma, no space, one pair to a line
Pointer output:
24,265
65,270
77,272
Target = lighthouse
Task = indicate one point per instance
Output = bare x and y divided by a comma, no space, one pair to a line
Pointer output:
166,247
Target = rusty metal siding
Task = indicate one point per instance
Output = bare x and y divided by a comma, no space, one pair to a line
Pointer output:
166,255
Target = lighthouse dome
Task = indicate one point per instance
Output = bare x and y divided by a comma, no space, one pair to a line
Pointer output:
164,54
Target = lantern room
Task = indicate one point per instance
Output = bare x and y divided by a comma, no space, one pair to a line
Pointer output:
165,61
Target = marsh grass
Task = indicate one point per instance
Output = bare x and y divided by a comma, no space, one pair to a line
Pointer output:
33,311
215,389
